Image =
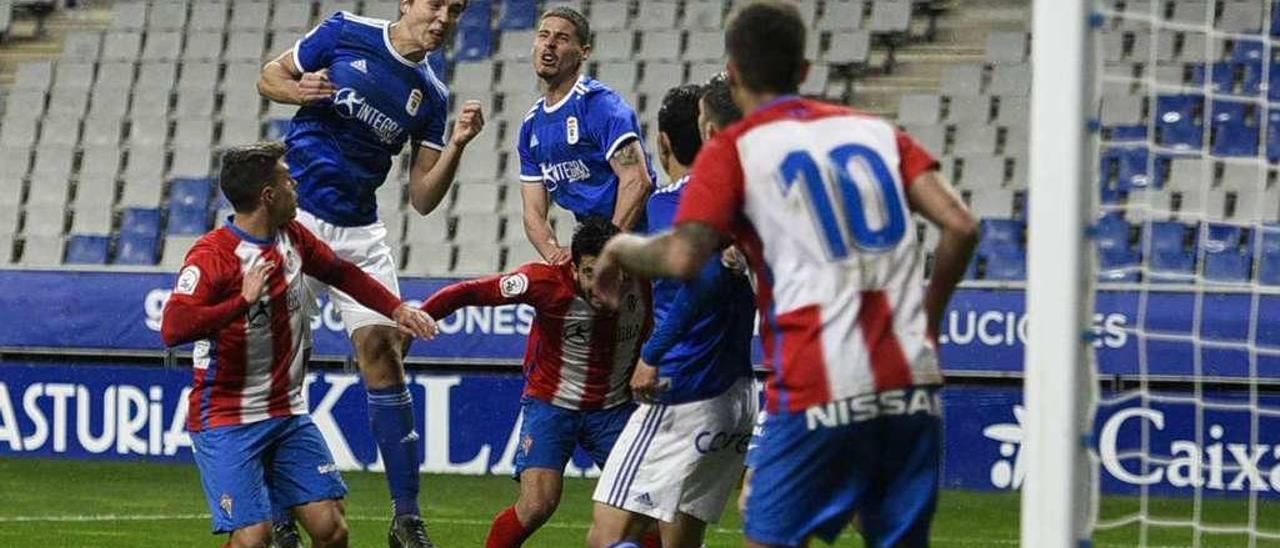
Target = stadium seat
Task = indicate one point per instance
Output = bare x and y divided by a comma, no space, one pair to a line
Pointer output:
962,80
1235,131
210,16
75,75
140,222
704,14
34,76
1006,48
1118,265
121,46
476,198
128,15
132,249
1112,232
982,171
90,217
1001,234
291,16
1177,121
162,47
1269,262
969,110
476,43
427,229
514,46
656,16
609,15
975,139
1011,80
249,16
473,77
82,47
1222,76
619,47
246,45
842,15
1171,266
238,131
520,254
46,219
849,47
1167,236
42,250
189,206
475,259
890,16
109,102
429,258
87,249
660,45
175,249
1006,265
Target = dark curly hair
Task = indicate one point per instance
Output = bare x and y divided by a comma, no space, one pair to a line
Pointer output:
590,236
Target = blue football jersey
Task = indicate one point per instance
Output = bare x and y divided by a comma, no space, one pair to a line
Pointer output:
566,147
340,150
702,328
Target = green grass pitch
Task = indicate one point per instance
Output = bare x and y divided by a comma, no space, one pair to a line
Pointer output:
52,503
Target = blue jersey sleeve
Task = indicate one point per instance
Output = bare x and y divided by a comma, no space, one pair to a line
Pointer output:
612,122
432,135
315,50
529,170
693,297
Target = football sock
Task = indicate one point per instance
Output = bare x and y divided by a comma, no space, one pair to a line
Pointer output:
507,531
391,416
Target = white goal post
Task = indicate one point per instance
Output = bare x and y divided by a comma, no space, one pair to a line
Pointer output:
1059,387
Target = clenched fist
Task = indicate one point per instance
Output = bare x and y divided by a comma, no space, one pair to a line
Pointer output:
469,123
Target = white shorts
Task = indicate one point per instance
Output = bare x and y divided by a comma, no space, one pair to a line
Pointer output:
366,246
681,458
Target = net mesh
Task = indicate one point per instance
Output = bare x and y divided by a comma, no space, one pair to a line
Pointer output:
1187,435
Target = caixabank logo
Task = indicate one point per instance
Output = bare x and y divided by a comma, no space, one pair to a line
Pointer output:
1233,453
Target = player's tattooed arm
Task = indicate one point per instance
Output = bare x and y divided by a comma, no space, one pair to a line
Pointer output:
678,253
634,184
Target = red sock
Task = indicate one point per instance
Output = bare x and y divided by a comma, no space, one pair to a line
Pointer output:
651,540
507,531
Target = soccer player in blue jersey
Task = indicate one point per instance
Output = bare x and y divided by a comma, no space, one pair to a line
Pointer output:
365,90
681,453
580,144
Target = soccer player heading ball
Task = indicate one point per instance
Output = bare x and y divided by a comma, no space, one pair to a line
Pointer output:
580,144
366,90
821,198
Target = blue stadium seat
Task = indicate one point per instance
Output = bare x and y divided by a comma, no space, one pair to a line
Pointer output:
1224,76
1275,19
1128,166
518,15
1001,235
474,44
1220,235
1006,265
1112,232
1172,266
187,221
134,249
1252,80
1177,121
1247,51
1234,131
1118,265
479,14
190,193
85,249
1273,135
142,222
1230,265
1165,236
1269,267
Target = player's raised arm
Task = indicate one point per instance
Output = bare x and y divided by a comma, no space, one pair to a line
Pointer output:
634,183
501,289
202,301
283,82
931,196
434,169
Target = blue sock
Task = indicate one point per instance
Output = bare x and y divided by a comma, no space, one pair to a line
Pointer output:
391,416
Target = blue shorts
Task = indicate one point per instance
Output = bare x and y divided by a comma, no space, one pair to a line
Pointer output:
548,434
813,470
250,469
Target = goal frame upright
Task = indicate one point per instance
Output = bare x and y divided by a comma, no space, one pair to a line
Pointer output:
1057,497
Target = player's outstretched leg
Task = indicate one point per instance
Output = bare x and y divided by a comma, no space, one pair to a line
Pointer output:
540,490
392,421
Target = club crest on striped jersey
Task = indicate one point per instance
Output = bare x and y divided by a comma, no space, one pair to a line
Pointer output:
188,279
571,130
514,285
415,101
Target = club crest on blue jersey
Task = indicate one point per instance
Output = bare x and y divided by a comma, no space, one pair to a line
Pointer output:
571,130
226,504
415,100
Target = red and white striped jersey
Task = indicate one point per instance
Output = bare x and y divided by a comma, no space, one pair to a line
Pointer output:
816,195
577,357
249,359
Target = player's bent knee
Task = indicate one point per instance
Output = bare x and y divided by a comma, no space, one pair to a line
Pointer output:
378,351
257,535
335,537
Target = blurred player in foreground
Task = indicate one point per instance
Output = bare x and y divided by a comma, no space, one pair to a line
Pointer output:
580,144
821,197
579,359
365,90
682,451
240,298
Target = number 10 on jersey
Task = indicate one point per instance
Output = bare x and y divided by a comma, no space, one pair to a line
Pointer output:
800,166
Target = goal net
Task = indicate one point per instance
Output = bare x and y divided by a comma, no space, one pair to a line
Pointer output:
1180,239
